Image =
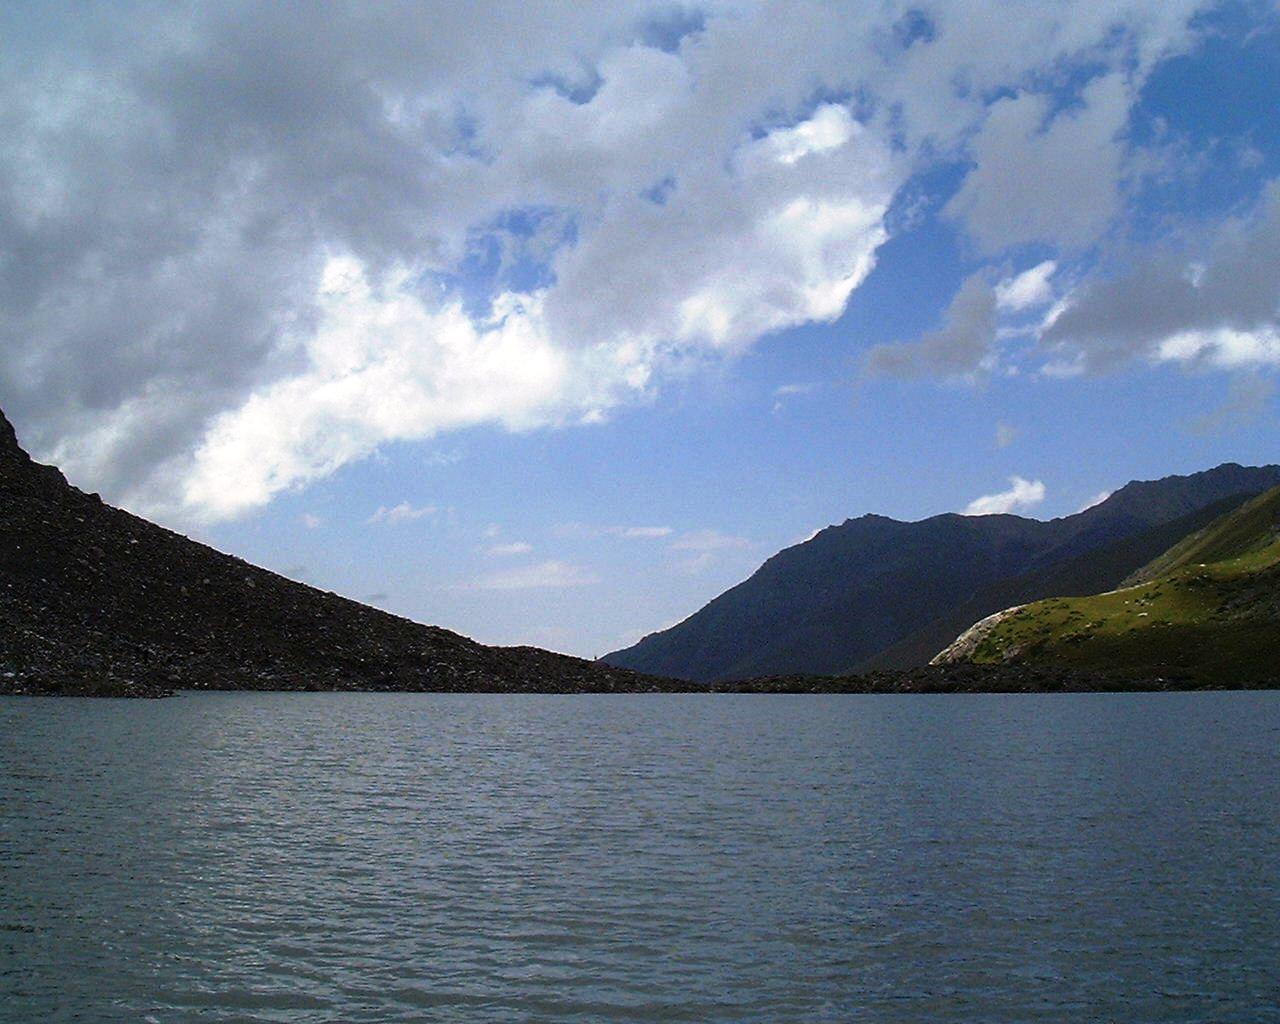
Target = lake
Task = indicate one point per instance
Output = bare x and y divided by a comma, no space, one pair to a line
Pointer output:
352,857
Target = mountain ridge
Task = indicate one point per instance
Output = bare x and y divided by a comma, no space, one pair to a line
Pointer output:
853,591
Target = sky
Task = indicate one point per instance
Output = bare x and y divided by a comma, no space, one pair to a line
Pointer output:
549,322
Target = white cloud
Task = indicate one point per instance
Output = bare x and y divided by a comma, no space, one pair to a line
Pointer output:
1097,499
515,547
1027,290
695,564
701,549
1057,183
1063,369
784,391
1248,397
443,458
310,520
1223,347
708,540
550,574
1022,494
386,363
960,348
830,128
1213,302
1006,434
640,532
402,513
622,532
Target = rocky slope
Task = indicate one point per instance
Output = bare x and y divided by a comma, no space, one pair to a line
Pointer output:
877,593
1207,610
95,600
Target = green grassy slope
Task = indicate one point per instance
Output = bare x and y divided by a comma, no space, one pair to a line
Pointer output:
1096,570
1207,608
1252,529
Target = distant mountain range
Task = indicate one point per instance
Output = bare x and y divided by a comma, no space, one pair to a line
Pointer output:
876,593
94,600
1208,609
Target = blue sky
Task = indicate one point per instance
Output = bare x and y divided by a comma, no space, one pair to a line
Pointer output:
548,327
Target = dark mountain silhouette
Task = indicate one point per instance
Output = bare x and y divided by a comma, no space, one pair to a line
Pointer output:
95,600
874,592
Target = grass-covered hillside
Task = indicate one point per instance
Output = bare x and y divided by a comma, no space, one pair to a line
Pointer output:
1208,608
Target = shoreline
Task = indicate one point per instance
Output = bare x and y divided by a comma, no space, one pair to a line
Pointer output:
936,680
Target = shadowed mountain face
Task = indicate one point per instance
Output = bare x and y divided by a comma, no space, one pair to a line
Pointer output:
95,600
875,592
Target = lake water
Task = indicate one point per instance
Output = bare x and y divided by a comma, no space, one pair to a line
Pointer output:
381,858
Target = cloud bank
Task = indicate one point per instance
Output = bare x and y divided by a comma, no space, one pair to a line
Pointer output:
240,249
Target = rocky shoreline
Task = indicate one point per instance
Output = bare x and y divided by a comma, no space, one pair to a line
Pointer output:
942,679
974,679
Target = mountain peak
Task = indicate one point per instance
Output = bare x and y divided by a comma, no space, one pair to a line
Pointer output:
1174,496
19,472
8,437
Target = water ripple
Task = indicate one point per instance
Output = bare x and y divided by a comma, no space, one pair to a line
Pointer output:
386,858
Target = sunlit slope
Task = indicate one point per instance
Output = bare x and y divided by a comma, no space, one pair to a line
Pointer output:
1209,608
1253,529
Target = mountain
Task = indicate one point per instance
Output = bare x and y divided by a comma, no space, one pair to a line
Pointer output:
1208,609
1091,572
1251,529
874,592
95,600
